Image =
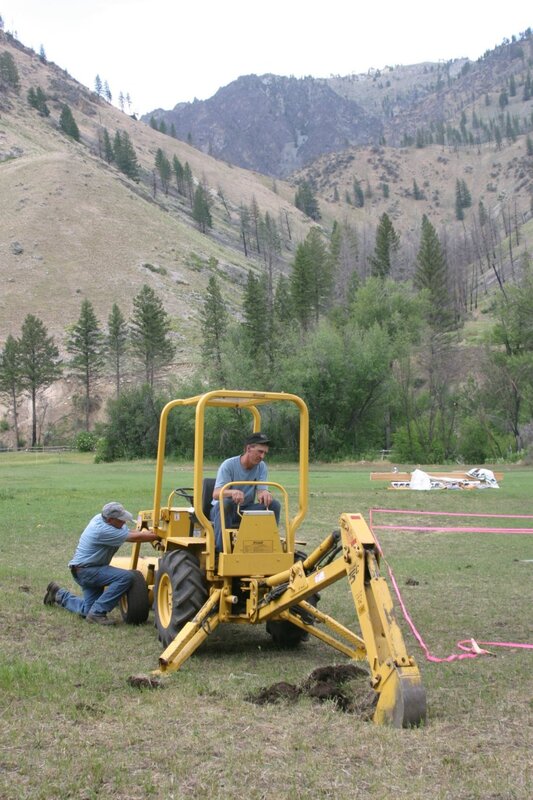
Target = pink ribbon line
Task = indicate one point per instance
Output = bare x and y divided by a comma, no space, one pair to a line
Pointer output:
448,513
470,646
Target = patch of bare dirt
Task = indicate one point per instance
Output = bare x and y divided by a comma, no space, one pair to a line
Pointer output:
346,685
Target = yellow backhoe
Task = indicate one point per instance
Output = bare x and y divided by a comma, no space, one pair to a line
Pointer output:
260,576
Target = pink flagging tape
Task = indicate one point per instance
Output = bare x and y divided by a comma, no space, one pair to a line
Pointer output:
437,529
448,513
471,647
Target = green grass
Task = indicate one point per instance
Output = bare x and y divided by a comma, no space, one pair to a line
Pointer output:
72,727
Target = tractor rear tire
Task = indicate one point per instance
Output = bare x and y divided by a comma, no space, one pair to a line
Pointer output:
284,634
135,604
179,593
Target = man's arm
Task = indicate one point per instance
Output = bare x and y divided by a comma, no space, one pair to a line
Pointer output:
142,536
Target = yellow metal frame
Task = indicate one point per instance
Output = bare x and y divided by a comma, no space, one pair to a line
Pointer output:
239,400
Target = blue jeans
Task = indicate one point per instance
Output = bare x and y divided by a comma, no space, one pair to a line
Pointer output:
102,589
233,520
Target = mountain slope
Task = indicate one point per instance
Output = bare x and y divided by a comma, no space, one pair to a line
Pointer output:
72,226
278,125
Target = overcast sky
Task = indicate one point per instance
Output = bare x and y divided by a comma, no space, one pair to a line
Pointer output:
162,52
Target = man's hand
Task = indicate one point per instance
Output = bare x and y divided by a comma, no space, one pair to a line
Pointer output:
237,496
265,497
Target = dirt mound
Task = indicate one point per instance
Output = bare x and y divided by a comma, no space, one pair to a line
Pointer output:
346,685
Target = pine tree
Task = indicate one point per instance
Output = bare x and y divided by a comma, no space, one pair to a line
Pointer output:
86,345
244,217
311,279
387,244
10,383
98,86
201,209
432,274
149,333
164,169
256,325
37,100
8,71
188,183
39,361
67,123
358,194
305,200
125,155
214,328
116,342
180,174
109,155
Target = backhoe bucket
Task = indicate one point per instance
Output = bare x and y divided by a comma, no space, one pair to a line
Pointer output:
402,701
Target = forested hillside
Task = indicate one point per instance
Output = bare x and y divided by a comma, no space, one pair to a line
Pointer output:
391,287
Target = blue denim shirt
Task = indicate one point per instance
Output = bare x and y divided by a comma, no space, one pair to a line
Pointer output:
98,543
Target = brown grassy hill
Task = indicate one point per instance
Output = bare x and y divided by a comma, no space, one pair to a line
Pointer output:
73,227
500,179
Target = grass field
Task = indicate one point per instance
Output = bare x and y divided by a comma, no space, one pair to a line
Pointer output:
72,727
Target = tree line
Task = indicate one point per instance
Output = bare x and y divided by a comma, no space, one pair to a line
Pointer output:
380,362
31,363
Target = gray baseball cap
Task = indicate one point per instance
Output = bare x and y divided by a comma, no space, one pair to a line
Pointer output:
115,510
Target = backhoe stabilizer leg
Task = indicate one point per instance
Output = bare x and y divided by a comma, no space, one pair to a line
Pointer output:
191,636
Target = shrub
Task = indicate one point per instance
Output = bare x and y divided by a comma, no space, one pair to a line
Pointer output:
86,442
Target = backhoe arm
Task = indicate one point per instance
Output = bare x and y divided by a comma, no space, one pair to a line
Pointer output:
394,674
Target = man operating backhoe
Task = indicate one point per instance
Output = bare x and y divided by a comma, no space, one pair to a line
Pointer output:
250,466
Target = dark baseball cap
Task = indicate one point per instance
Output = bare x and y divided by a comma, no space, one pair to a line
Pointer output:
257,438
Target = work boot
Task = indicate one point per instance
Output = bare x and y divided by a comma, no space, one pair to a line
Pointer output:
51,591
99,619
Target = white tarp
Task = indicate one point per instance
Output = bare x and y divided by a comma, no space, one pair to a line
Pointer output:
478,478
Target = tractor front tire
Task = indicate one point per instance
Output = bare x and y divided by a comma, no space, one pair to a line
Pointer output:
179,593
135,604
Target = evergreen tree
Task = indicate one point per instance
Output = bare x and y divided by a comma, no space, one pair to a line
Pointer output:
109,155
10,383
387,243
37,100
8,71
98,86
305,200
67,123
125,155
107,92
180,174
117,342
39,361
188,183
256,327
244,216
432,274
86,345
311,279
149,333
358,194
201,209
418,194
164,169
214,328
